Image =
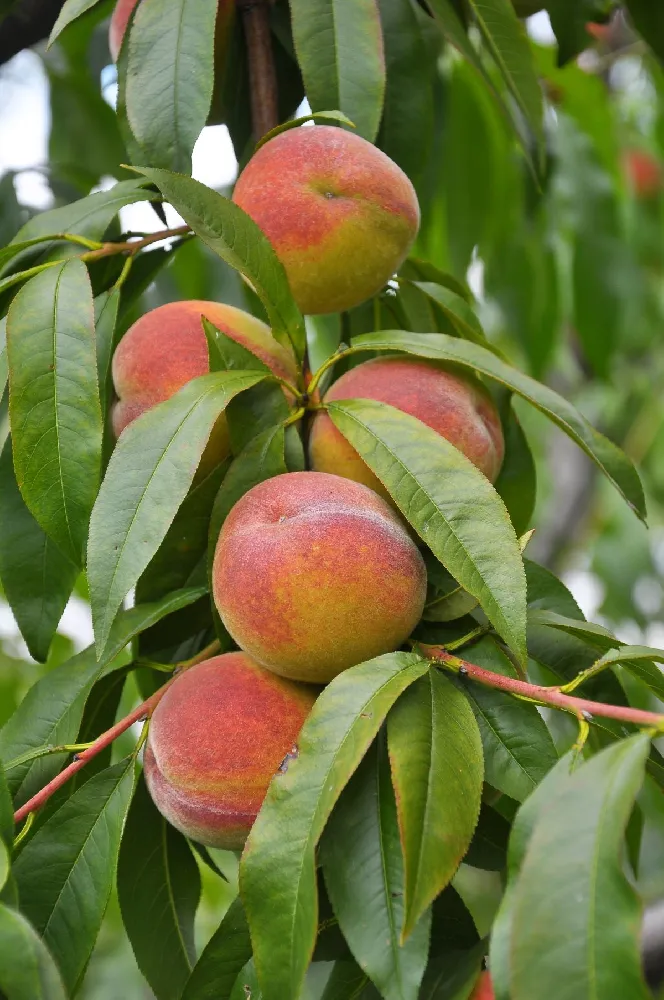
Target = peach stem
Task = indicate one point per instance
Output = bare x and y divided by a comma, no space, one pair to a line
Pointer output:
143,711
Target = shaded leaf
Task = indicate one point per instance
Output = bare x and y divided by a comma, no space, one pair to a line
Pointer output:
159,887
106,315
451,505
610,459
279,860
3,356
437,770
147,479
517,481
54,402
223,959
339,49
65,872
27,970
488,849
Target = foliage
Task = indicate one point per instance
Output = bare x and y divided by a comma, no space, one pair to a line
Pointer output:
439,812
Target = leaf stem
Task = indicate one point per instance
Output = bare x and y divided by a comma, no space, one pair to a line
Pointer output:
553,697
132,247
262,71
332,360
142,711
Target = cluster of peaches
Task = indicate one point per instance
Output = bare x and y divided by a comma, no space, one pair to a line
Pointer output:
314,572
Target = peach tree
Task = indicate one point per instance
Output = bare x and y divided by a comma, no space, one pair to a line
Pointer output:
302,526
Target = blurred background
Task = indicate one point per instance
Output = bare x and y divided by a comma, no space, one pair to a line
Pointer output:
569,281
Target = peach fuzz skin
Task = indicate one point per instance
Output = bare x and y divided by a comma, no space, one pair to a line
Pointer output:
459,409
313,574
339,213
167,347
217,738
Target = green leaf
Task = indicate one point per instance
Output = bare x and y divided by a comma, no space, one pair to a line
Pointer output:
339,48
159,887
348,981
335,117
233,236
246,984
147,479
518,749
54,402
415,269
279,858
506,40
364,876
571,877
457,310
547,592
51,712
223,958
27,970
451,505
6,812
437,770
37,578
610,459
488,849
225,354
89,217
637,659
170,72
65,872
106,316
648,19
3,356
407,126
517,481
68,13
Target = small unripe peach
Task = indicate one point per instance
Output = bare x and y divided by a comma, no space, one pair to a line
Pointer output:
167,347
458,408
339,213
313,574
644,172
217,737
483,989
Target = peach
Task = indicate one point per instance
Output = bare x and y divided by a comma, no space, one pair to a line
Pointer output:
483,988
167,347
644,172
339,213
313,574
217,737
458,408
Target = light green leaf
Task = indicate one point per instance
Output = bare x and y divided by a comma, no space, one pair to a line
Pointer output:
439,347
27,970
437,770
451,505
336,117
68,13
3,356
233,236
279,859
170,72
339,47
54,402
147,479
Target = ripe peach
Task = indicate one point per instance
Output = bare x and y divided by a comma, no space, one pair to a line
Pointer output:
217,737
339,213
313,574
644,172
167,347
483,989
458,408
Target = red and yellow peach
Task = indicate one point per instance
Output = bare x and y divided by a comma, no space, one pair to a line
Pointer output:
217,738
313,574
339,213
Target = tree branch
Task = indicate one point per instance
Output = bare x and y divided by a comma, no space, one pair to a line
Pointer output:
27,23
262,72
581,708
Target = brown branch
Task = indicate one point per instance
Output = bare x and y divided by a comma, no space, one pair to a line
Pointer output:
132,247
262,72
143,711
581,708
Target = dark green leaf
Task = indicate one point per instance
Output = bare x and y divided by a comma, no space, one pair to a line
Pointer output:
6,812
457,310
106,315
51,712
488,849
3,356
65,872
572,875
335,117
236,238
517,482
159,887
437,770
610,459
27,970
169,78
54,402
348,982
147,479
451,505
37,578
518,749
648,19
225,354
364,875
546,591
279,860
223,959
339,49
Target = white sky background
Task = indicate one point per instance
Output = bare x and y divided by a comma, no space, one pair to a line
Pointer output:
24,128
